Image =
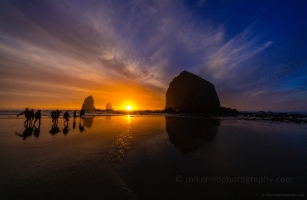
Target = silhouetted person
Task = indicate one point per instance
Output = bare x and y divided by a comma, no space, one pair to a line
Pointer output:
26,133
82,113
54,116
37,130
81,127
54,129
75,114
38,116
65,129
27,114
58,115
66,117
32,114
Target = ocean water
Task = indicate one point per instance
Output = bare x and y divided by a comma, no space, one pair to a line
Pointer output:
151,157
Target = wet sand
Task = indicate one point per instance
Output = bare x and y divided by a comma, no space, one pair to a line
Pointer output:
151,157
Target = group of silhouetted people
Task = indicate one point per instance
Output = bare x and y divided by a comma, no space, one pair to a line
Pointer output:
56,114
30,115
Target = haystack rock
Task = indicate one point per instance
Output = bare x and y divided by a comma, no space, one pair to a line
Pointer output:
190,93
109,106
89,104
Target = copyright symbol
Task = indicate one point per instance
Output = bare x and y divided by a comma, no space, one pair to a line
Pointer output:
179,179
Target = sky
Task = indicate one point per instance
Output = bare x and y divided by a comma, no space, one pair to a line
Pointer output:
55,53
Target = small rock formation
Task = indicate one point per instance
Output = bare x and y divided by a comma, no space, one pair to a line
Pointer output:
228,112
190,93
88,104
109,106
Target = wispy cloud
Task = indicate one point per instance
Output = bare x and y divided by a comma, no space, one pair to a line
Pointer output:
142,41
226,56
100,43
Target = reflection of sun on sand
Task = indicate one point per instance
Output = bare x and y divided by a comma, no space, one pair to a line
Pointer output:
128,107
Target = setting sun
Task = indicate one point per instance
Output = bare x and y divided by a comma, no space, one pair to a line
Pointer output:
128,107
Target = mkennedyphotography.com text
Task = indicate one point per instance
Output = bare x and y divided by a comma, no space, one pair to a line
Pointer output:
232,179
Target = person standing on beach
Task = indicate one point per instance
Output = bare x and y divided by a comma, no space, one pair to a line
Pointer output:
58,113
66,117
32,115
75,115
38,116
54,117
82,113
27,114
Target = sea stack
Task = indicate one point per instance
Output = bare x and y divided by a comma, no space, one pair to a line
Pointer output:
109,106
88,104
190,93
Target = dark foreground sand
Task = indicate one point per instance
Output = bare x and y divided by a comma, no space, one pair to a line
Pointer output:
152,157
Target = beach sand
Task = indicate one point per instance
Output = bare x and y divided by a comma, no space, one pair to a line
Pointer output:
151,157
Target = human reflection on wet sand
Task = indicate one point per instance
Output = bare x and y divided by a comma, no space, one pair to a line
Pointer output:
37,130
74,124
188,134
26,133
65,129
54,129
81,127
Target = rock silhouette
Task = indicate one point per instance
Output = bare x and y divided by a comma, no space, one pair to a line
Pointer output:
88,104
190,93
109,106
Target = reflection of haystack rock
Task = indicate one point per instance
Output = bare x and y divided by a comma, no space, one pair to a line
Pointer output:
88,121
188,134
190,93
109,106
89,104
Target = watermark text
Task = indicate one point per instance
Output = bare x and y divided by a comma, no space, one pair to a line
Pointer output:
232,179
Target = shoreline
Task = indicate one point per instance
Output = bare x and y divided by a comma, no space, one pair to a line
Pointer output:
276,119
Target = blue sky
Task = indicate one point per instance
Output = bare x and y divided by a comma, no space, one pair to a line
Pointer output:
255,53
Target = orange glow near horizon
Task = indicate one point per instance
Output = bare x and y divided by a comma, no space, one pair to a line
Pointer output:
120,94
